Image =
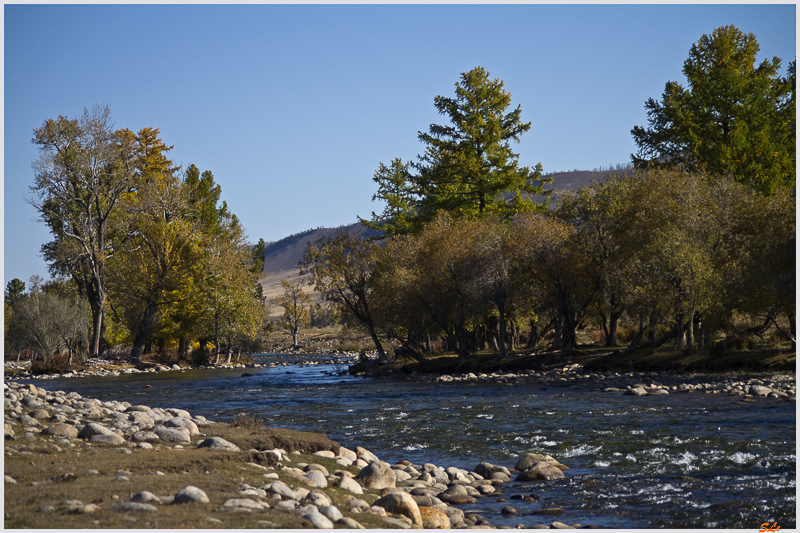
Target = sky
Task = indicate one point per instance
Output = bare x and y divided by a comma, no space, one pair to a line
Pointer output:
293,107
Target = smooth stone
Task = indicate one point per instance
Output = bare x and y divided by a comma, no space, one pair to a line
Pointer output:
172,435
61,430
135,506
316,479
541,471
331,512
401,503
317,498
109,440
377,475
218,443
93,428
349,523
318,520
191,494
433,518
243,503
350,484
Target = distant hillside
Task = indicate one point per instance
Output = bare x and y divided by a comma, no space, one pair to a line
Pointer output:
281,257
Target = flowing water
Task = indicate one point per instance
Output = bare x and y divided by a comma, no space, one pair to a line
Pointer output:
673,461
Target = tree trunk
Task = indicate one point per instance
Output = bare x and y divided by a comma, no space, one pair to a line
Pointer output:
501,337
143,332
230,353
374,335
533,339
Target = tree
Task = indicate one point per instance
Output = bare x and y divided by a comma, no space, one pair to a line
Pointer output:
16,291
468,168
155,268
341,269
733,118
295,303
230,306
83,171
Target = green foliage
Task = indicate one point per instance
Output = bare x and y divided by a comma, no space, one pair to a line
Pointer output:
734,117
468,168
16,291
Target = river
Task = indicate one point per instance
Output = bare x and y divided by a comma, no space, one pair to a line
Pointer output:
671,461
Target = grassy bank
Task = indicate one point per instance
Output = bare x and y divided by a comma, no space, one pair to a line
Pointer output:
162,471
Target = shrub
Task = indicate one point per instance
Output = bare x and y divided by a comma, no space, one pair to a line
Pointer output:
247,421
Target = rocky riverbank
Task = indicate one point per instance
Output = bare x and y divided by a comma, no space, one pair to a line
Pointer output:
744,385
78,462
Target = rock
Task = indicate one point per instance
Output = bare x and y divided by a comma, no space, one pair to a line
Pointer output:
134,506
172,435
315,478
184,423
282,489
317,498
377,475
326,453
403,504
759,390
144,437
244,503
93,428
529,459
636,391
191,494
349,523
10,480
487,469
365,454
347,454
541,471
318,520
433,518
350,484
508,510
61,430
108,440
218,443
331,512
560,525
144,497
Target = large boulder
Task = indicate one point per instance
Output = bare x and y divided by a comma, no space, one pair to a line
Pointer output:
172,435
541,471
61,430
184,423
218,443
530,459
403,504
377,475
93,428
486,470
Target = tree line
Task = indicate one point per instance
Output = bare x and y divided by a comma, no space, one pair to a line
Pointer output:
144,249
474,246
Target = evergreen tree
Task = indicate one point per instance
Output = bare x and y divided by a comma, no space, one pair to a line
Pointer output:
734,118
468,168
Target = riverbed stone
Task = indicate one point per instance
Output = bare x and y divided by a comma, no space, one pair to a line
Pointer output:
182,423
433,518
244,503
541,471
174,435
191,493
218,443
318,520
136,507
61,430
93,428
331,512
403,504
349,523
377,475
112,439
759,390
350,484
530,459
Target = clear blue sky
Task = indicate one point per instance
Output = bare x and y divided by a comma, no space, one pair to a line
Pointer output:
293,107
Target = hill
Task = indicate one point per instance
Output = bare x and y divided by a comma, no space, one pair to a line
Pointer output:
281,257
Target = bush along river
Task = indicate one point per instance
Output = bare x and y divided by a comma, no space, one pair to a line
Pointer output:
635,460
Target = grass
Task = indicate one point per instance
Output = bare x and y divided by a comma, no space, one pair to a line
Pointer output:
218,474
